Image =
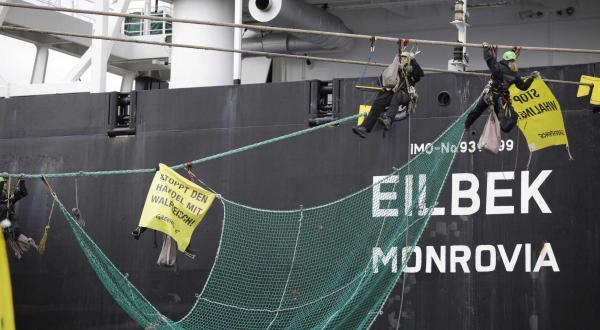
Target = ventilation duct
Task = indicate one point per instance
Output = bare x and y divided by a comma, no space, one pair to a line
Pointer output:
280,43
300,15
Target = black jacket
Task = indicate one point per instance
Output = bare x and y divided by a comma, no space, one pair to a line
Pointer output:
19,193
502,76
413,75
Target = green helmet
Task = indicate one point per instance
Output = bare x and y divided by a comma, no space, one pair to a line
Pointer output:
509,56
2,179
405,54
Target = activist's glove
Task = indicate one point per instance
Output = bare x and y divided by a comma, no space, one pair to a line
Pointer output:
516,50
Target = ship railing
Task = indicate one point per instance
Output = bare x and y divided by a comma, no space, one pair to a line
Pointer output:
137,27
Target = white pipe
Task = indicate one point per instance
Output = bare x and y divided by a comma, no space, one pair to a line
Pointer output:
237,43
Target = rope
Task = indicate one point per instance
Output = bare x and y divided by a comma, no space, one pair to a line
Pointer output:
42,246
253,52
290,30
287,282
569,152
364,70
406,236
183,165
76,211
8,197
76,195
192,177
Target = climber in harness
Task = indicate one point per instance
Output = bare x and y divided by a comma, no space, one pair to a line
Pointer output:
496,93
9,223
8,200
398,81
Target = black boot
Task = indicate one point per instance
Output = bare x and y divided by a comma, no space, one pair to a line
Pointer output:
385,122
360,131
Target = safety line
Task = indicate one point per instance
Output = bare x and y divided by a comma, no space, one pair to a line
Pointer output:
252,52
292,30
183,165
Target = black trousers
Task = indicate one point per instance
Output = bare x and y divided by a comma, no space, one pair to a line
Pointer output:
383,100
506,122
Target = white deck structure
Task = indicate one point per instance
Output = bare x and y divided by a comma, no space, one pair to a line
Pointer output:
559,23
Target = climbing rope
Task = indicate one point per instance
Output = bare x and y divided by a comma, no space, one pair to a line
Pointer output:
370,58
366,65
289,30
42,246
76,211
407,232
253,52
194,162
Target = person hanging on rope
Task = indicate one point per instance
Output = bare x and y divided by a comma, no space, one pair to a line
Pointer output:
8,200
395,95
496,93
12,231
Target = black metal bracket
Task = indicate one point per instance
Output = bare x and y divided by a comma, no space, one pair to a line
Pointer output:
122,114
324,102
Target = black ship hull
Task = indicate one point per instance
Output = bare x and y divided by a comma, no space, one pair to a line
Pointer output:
497,287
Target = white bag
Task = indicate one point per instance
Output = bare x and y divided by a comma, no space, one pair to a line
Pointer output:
168,253
490,138
390,77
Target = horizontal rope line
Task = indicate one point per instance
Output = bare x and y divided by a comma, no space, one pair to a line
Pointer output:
253,52
292,30
197,161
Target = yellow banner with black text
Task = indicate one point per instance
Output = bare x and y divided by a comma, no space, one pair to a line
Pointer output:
175,206
540,117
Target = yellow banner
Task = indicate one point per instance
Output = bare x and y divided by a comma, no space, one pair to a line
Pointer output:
363,109
540,117
7,316
584,90
175,206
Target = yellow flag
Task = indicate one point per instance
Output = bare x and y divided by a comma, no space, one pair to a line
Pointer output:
7,316
363,109
584,90
540,117
175,206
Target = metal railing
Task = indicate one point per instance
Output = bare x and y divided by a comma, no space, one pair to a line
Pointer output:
133,26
